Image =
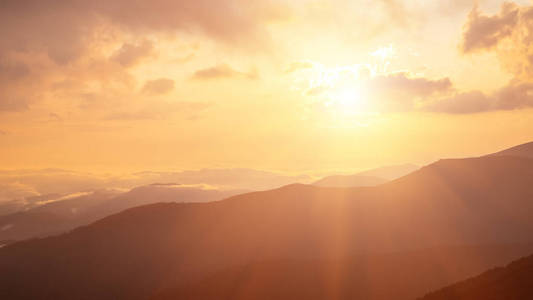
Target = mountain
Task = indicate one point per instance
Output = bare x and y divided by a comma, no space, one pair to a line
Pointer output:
367,178
523,150
168,249
378,276
26,203
21,187
390,172
349,181
510,282
64,213
56,216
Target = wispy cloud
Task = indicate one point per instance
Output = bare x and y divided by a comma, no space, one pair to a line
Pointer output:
223,71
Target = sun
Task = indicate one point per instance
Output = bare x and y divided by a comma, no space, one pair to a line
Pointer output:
341,91
347,97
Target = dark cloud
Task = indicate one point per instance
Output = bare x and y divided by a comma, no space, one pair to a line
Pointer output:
158,86
223,71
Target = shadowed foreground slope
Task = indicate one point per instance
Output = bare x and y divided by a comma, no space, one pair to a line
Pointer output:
402,275
173,247
514,281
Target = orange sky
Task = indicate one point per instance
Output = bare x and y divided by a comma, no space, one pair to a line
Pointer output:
292,86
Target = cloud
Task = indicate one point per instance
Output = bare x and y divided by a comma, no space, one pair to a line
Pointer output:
8,103
28,183
12,70
222,71
384,92
15,190
398,92
65,29
92,44
512,96
158,86
484,32
55,117
462,103
397,12
131,54
12,91
159,110
405,84
3,132
298,65
508,33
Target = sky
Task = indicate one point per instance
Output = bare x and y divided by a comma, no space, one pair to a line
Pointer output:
289,86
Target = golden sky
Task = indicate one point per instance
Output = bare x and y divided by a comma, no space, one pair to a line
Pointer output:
293,86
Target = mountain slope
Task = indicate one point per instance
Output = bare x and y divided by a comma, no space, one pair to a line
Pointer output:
377,276
523,150
511,282
134,254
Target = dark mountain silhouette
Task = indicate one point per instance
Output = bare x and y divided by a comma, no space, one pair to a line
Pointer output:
59,216
380,276
511,282
367,178
523,150
168,249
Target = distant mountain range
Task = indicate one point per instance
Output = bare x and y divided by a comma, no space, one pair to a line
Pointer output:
21,189
367,178
443,223
49,214
58,214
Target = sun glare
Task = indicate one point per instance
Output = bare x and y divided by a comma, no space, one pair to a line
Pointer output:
346,98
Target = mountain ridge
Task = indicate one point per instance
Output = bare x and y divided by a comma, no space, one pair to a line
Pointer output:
138,251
